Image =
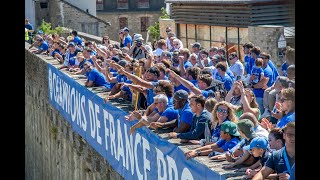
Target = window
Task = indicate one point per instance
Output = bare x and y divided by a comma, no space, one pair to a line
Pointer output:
99,5
144,24
123,22
122,4
143,3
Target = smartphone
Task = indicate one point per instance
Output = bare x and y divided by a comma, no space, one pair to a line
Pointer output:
238,78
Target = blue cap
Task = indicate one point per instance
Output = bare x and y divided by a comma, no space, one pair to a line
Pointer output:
40,32
181,94
71,44
259,142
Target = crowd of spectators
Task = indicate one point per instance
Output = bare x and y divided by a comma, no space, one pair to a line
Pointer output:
247,104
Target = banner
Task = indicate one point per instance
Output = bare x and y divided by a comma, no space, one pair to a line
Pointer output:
143,155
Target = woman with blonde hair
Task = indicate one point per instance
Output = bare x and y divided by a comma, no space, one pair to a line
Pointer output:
222,112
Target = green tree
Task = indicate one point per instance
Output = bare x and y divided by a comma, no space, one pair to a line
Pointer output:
154,30
47,29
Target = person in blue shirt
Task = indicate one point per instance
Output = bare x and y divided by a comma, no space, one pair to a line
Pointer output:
165,113
30,28
247,58
260,148
267,81
203,83
286,105
229,137
222,76
43,46
76,39
281,161
70,56
184,62
176,84
257,72
184,121
200,117
95,78
127,38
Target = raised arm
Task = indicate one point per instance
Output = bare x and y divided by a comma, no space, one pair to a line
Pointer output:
185,82
135,79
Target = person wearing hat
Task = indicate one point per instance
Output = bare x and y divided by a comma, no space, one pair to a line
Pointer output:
139,50
200,117
127,38
43,46
70,56
229,137
95,78
184,121
259,148
246,129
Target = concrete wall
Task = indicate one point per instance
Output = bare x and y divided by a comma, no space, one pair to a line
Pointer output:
266,37
134,23
84,5
52,149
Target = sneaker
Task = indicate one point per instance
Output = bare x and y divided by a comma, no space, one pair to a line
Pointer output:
266,114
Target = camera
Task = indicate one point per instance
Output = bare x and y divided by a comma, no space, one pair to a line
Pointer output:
217,86
138,43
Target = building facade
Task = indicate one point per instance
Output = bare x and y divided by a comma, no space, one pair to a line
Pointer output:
226,22
137,15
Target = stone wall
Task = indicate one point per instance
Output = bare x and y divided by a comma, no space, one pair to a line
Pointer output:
134,22
52,149
61,13
266,37
163,23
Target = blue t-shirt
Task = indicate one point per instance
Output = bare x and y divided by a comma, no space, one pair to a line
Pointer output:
284,68
195,82
98,78
54,52
44,46
176,88
258,92
150,93
248,63
185,114
77,40
170,113
274,69
277,161
127,40
216,131
257,71
225,145
70,58
290,117
205,93
29,27
230,73
121,78
227,81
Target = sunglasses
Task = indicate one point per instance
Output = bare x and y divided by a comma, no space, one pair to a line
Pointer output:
219,110
282,100
263,57
167,31
231,58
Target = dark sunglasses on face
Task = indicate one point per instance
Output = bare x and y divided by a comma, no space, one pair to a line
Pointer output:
219,110
282,100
